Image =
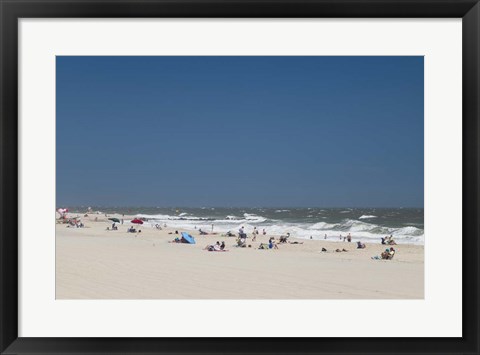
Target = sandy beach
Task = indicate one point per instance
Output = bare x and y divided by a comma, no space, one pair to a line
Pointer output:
95,263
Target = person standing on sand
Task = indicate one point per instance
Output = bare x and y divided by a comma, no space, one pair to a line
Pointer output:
325,236
349,238
212,227
254,238
264,231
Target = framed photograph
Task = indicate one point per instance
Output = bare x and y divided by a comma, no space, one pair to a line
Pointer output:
239,177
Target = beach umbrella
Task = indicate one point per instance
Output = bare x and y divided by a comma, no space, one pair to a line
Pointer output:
116,220
137,221
188,238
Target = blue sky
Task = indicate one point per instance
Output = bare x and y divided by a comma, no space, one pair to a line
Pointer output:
240,131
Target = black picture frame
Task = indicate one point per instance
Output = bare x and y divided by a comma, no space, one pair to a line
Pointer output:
11,11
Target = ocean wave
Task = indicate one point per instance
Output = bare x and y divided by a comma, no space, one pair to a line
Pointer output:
366,217
360,230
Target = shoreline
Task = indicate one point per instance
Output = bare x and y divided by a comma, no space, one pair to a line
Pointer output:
219,228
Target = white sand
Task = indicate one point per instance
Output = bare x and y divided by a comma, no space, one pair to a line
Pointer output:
93,263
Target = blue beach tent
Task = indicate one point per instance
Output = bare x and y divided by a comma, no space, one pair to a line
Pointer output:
188,238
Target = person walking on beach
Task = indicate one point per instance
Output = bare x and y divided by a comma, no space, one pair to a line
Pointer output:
212,227
254,238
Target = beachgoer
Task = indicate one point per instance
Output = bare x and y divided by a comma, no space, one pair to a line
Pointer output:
391,254
241,233
383,240
212,227
324,237
385,254
271,244
241,242
264,232
222,246
361,245
349,238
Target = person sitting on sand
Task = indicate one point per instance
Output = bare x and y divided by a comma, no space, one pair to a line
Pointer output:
176,240
384,240
283,238
215,247
263,246
264,232
323,249
295,243
222,246
361,245
390,254
383,256
202,232
271,244
241,242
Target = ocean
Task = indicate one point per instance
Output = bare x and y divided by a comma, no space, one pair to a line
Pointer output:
364,224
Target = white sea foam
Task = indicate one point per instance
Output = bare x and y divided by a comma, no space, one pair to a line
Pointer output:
366,217
359,230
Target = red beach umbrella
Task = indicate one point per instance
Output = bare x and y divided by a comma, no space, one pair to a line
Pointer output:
137,221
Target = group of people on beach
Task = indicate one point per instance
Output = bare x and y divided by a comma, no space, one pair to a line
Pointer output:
388,254
76,223
216,247
388,240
